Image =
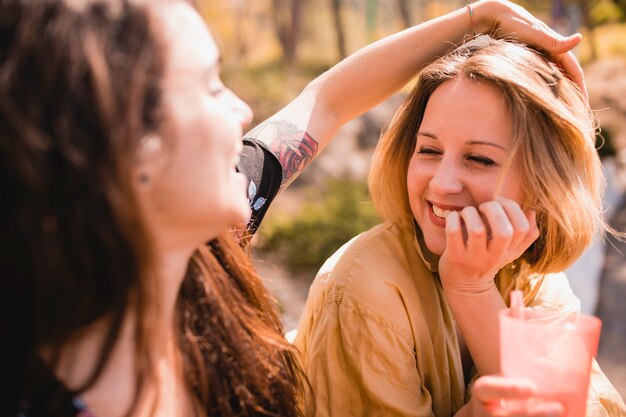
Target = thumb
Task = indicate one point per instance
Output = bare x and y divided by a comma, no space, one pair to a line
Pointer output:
562,44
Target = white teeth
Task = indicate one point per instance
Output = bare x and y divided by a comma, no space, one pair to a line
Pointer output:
439,212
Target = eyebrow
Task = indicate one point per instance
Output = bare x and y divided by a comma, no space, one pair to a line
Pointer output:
471,142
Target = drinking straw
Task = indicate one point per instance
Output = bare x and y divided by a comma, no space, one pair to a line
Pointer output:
517,304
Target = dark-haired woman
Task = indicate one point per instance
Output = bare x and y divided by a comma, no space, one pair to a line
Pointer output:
118,154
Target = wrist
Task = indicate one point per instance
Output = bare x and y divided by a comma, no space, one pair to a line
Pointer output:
469,287
484,16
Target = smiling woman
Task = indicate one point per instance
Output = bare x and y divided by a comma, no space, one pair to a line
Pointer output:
118,163
488,181
124,291
459,162
195,171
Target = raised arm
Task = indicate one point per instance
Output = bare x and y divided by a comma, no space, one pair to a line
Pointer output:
298,132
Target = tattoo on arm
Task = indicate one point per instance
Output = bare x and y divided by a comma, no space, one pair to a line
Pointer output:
294,148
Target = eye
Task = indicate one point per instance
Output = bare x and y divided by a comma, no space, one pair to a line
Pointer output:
482,160
425,150
216,89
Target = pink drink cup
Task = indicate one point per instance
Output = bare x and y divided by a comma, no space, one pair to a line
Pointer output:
553,351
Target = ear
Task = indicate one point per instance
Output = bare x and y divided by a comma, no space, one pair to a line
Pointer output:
149,160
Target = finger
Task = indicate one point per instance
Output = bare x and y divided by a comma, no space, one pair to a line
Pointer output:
476,230
500,226
454,233
560,51
572,69
536,33
557,43
562,44
517,21
521,225
493,388
533,232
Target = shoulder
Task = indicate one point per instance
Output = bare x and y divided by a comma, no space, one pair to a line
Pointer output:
381,247
367,276
554,293
371,257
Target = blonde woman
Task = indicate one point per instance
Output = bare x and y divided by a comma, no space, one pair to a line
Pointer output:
487,180
123,292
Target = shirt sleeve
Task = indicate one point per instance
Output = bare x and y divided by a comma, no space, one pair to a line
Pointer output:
264,174
361,364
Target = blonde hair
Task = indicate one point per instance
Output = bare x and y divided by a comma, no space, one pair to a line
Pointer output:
553,133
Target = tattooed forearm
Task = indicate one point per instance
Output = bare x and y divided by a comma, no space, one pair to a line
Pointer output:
294,148
294,152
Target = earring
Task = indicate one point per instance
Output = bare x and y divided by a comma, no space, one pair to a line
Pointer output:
143,178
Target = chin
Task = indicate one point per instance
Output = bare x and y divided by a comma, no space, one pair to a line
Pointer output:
436,247
246,214
241,215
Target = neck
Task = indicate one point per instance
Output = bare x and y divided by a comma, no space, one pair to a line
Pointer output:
169,273
118,378
430,259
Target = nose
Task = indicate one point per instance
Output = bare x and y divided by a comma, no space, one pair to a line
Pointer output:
446,179
242,111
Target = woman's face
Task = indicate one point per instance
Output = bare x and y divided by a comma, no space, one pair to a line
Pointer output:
460,159
194,191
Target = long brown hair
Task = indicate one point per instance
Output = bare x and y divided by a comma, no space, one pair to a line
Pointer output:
79,88
553,135
231,328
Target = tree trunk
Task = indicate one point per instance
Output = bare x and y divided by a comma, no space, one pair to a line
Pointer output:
241,45
339,29
405,13
585,7
287,15
296,14
558,11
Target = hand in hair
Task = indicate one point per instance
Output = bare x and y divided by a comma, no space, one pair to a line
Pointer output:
500,396
503,18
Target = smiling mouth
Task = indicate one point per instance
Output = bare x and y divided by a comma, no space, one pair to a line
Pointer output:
439,212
